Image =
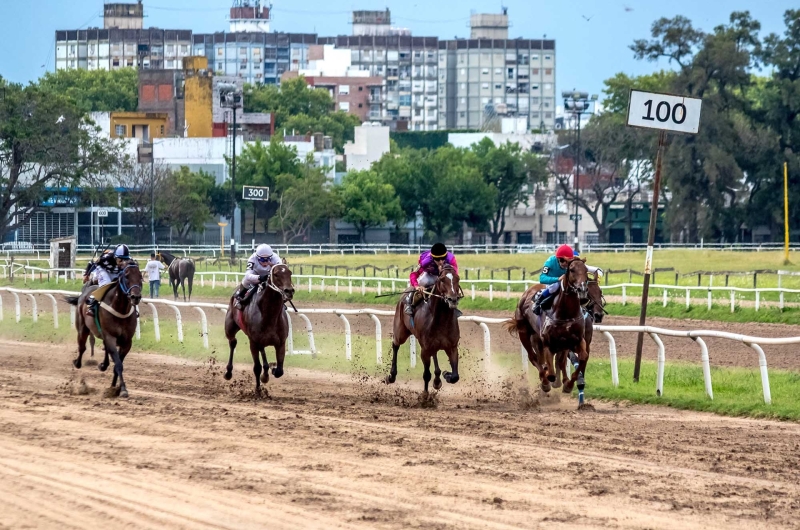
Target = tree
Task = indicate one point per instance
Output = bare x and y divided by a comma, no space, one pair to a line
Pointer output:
338,125
303,201
45,142
509,172
184,202
368,201
95,90
139,181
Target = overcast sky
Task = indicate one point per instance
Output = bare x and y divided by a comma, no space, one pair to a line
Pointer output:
587,51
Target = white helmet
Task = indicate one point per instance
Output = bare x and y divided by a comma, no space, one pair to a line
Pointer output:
264,251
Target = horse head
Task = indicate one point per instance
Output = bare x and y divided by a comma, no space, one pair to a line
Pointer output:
448,286
577,277
280,280
595,302
130,281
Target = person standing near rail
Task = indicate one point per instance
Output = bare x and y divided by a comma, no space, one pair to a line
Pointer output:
153,270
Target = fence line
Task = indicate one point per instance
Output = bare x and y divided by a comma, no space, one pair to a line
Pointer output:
653,332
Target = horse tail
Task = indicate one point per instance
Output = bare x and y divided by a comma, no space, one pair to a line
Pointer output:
511,327
71,300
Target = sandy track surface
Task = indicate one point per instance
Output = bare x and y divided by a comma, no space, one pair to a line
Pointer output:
189,450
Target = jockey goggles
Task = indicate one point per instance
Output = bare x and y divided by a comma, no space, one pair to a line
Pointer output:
262,259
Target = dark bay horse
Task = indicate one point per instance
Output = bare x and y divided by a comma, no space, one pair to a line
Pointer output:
265,322
563,330
435,326
180,270
116,316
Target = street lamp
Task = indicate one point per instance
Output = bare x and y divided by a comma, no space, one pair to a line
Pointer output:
230,97
577,103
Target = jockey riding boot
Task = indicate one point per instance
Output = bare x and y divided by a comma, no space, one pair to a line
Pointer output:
91,306
239,297
412,301
539,301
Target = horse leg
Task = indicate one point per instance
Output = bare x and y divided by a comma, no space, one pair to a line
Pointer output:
123,392
231,329
561,367
280,355
124,346
83,334
103,366
579,373
437,379
183,288
452,356
189,280
91,343
527,343
265,373
426,362
399,337
256,366
545,360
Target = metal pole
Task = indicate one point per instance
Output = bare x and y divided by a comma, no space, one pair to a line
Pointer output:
233,190
576,241
557,241
152,195
648,260
785,212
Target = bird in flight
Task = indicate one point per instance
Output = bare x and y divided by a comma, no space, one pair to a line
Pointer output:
587,19
628,8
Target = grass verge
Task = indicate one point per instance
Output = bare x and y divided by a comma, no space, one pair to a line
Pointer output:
737,391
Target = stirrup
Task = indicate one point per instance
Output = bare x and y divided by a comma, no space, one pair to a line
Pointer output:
409,309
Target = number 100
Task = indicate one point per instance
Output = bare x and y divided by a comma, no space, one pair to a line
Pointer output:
664,112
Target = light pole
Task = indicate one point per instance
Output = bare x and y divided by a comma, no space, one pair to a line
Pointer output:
230,96
577,103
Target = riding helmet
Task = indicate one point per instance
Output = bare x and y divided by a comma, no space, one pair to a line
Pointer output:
565,251
264,251
122,252
438,251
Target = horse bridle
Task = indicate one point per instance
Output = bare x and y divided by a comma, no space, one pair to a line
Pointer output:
602,302
122,282
459,294
567,286
271,284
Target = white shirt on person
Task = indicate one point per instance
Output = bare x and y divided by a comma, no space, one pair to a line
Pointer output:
153,270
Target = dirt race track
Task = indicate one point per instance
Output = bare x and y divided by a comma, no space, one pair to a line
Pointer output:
189,450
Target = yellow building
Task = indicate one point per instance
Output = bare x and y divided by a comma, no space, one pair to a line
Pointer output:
197,97
142,125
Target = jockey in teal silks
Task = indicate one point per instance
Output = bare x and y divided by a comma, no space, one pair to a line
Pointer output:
554,268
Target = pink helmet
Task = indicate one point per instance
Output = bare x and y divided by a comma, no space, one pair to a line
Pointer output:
565,252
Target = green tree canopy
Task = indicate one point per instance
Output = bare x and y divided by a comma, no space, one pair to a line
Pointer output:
95,90
368,201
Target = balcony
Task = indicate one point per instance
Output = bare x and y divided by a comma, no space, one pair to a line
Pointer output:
374,115
375,98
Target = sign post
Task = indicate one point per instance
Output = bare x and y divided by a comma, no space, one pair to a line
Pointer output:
255,193
665,112
222,239
785,213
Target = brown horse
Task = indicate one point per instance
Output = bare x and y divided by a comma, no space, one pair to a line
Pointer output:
116,316
265,322
435,326
561,331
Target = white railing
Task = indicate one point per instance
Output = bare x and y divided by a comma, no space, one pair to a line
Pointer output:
483,322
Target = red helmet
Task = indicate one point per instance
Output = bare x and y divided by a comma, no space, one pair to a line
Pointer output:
565,251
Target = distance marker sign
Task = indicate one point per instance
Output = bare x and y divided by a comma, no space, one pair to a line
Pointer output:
664,111
255,193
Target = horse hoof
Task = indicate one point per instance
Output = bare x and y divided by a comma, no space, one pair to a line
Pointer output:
451,378
77,364
551,378
228,375
123,393
568,386
437,384
545,388
389,379
277,372
556,384
102,367
265,377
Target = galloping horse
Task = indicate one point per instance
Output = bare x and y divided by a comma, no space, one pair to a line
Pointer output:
265,322
114,323
435,326
562,331
180,269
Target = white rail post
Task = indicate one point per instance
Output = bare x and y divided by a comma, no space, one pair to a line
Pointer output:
688,300
487,345
1,308
202,280
55,309
72,315
226,280
762,364
412,346
214,280
491,292
473,291
363,288
709,299
664,304
337,286
661,362
758,299
156,329
779,287
394,289
138,329
203,326
350,286
322,285
309,284
178,321
311,344
290,336
508,291
379,288
612,354
733,301
34,309
378,346
706,366
524,358
624,296
348,353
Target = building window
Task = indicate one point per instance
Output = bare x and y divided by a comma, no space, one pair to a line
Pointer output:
129,62
511,73
219,67
548,86
535,71
360,105
220,52
548,71
344,90
184,49
243,66
535,57
535,86
162,130
485,85
548,115
171,49
498,86
463,101
547,104
119,130
485,71
115,62
344,106
242,51
547,57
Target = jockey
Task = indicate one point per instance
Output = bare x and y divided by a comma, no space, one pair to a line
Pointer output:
258,268
89,274
427,273
107,270
554,268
